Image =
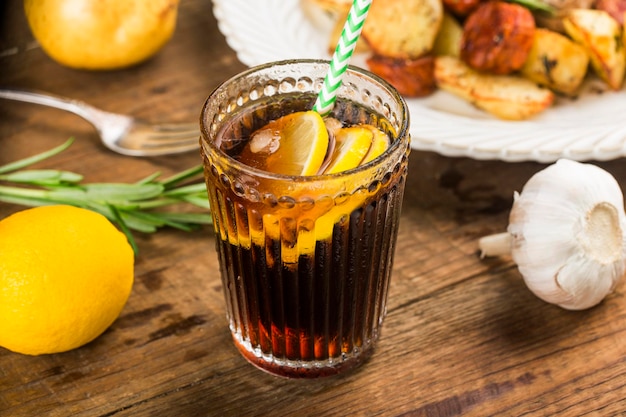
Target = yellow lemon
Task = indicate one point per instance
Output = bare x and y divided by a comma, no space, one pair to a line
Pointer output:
65,275
351,146
380,143
294,144
101,34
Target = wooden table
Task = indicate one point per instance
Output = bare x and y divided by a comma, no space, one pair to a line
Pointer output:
463,336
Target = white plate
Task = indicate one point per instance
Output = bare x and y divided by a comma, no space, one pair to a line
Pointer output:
591,127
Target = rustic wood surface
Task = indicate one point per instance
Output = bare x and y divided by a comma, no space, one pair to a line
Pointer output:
463,336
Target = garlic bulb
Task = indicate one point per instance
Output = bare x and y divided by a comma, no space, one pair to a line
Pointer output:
567,234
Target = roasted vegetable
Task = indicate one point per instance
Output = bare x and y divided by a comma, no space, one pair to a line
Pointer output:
497,37
403,28
505,96
411,77
601,36
496,57
556,62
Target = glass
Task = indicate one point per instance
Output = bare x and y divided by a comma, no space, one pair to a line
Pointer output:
305,260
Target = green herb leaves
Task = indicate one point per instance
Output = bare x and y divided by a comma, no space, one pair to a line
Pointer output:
131,206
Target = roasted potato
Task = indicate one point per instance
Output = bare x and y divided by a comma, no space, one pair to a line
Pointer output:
616,8
497,37
411,77
448,40
505,96
403,28
600,35
556,62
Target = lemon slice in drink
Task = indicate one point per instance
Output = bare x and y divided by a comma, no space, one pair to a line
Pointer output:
380,143
294,144
352,144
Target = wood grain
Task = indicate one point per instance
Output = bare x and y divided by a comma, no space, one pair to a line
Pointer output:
463,336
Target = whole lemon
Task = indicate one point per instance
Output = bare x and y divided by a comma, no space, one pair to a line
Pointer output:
101,34
65,275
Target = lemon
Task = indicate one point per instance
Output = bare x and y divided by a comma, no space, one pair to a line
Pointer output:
351,146
380,143
294,144
65,275
101,34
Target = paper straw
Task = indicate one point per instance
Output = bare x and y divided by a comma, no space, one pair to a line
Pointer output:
343,52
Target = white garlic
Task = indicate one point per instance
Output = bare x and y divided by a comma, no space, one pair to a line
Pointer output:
566,234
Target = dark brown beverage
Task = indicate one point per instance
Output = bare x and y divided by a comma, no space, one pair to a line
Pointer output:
313,315
305,260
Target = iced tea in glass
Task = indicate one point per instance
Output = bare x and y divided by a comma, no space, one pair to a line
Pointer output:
305,260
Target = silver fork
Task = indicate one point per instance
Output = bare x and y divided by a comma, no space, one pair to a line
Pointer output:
120,133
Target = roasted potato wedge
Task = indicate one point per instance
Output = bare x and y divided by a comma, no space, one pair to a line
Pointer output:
556,62
600,35
403,28
411,77
497,37
504,96
448,40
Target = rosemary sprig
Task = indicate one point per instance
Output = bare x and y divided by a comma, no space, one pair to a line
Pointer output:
130,206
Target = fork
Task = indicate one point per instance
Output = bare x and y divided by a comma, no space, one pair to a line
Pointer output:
120,133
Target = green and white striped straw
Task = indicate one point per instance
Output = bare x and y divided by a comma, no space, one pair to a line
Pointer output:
343,52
